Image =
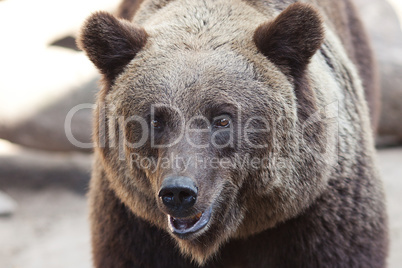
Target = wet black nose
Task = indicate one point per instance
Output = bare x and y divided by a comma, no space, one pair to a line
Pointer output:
178,193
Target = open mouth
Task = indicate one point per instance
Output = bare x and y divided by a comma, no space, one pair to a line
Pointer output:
187,226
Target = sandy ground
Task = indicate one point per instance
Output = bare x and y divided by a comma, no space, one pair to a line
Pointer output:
50,229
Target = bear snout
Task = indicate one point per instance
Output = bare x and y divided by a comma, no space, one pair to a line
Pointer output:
178,195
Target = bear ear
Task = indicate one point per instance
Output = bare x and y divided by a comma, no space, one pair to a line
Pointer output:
110,43
292,38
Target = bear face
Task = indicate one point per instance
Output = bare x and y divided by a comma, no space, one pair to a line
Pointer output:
221,114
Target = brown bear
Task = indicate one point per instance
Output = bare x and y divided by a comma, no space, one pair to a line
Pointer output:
234,133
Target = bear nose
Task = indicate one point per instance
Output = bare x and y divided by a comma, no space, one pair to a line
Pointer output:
178,193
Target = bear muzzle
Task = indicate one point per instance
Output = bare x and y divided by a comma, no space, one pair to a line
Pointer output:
178,195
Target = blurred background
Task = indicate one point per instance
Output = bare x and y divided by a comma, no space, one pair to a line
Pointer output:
44,178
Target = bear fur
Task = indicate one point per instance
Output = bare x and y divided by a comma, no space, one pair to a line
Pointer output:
291,79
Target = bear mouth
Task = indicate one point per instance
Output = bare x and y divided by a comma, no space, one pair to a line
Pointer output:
183,227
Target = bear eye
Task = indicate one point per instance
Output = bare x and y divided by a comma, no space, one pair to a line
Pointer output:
156,124
222,122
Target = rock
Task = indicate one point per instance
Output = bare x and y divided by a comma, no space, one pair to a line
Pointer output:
7,205
40,83
391,115
44,128
35,170
384,28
